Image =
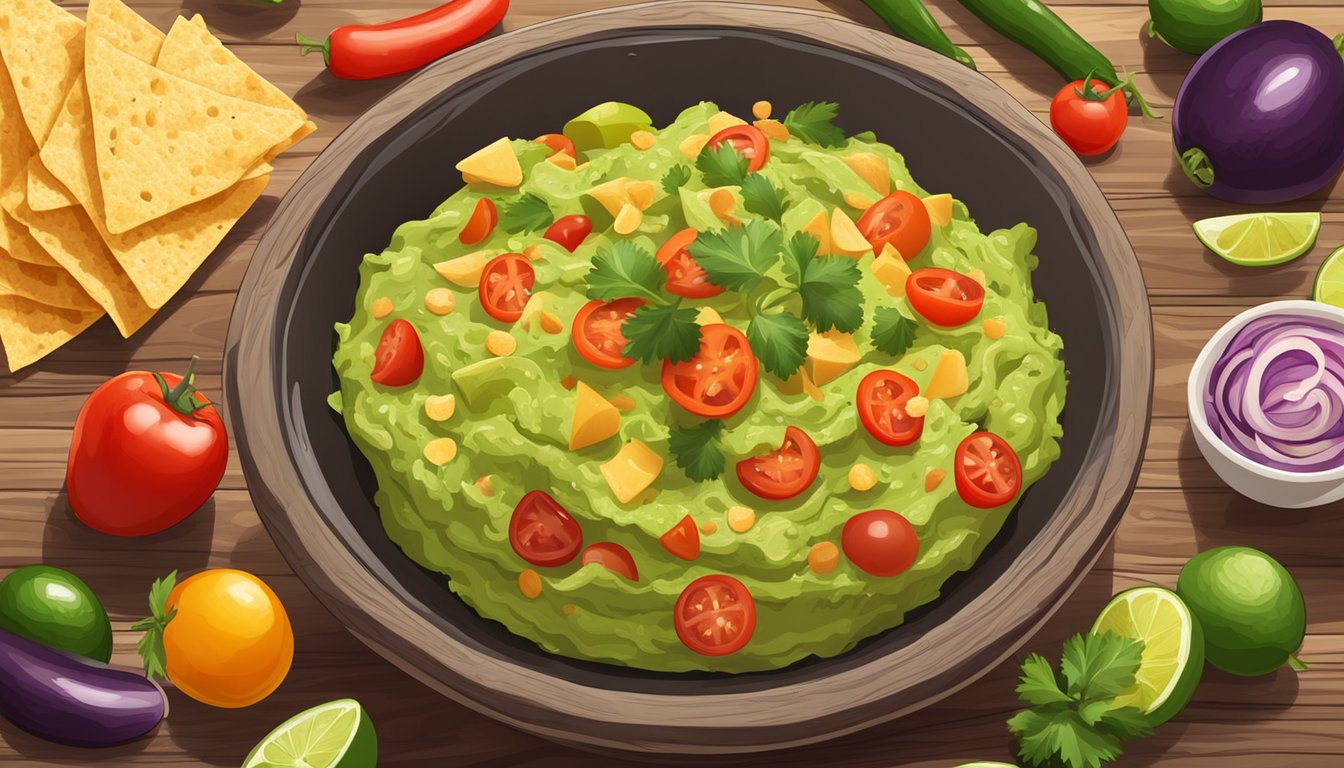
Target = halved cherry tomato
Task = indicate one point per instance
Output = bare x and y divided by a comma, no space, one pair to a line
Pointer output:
597,331
506,285
719,380
481,224
682,539
881,400
988,471
748,141
899,219
685,277
944,297
715,615
569,231
880,542
613,557
542,532
558,142
784,472
399,359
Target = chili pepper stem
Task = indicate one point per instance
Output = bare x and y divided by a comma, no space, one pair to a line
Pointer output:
308,45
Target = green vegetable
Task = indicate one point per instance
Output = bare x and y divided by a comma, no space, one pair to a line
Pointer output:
722,165
1073,722
55,608
662,328
528,213
779,341
150,646
762,198
911,21
624,270
662,332
1195,26
698,450
737,258
675,178
812,121
606,126
828,286
893,332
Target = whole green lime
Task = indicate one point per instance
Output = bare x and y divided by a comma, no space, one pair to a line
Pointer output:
1249,606
55,608
1195,26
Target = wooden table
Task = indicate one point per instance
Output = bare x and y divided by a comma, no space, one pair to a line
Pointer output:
1180,508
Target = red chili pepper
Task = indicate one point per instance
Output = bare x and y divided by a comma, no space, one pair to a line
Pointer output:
369,51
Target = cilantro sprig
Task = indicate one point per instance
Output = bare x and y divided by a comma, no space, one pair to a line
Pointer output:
811,121
893,332
828,285
698,450
527,213
661,329
675,178
724,166
150,647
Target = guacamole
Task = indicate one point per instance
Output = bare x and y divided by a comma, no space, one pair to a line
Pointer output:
588,550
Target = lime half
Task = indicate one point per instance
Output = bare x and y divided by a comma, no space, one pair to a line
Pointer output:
1329,288
337,734
1260,239
1173,649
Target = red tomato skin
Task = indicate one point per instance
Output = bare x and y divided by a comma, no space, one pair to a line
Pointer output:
756,149
570,231
913,233
1089,127
748,615
880,542
685,277
558,144
866,391
587,349
973,494
749,474
481,224
368,51
750,376
944,311
613,557
527,275
137,466
536,504
682,539
400,358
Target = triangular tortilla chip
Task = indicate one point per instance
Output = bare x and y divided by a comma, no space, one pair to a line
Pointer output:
69,151
124,28
30,331
47,285
43,46
45,193
16,144
20,245
164,142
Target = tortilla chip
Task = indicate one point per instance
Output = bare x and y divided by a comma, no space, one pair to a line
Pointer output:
45,193
30,330
52,286
69,151
16,144
43,47
124,28
181,142
19,243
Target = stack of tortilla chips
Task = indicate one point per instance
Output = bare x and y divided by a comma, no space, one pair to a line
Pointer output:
126,155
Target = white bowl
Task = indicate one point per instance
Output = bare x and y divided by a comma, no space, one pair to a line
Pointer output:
1267,485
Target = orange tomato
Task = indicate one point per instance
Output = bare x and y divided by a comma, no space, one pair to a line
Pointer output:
230,643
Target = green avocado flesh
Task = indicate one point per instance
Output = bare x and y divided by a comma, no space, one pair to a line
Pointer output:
513,420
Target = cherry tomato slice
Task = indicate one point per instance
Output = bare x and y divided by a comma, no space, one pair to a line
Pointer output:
880,542
900,220
481,224
613,557
881,400
399,359
597,331
785,472
569,231
685,277
748,141
682,539
715,615
506,284
988,471
1088,119
542,532
558,142
719,380
944,297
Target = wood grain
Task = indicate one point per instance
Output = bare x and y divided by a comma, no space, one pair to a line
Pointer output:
1180,508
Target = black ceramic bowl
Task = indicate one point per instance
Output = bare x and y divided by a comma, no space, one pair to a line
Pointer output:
958,132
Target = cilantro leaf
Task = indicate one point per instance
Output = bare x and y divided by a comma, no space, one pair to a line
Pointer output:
831,295
1100,666
798,253
737,258
779,341
624,270
722,166
675,178
1058,736
1038,685
761,197
1125,723
893,332
528,213
697,449
662,333
811,122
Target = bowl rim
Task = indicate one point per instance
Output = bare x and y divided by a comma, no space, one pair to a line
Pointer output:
783,716
1203,369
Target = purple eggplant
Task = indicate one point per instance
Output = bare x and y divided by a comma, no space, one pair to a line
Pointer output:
71,700
1260,117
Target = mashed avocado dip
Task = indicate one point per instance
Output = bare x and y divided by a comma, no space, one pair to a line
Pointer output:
588,550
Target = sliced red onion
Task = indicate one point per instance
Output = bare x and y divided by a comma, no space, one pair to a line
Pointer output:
1276,395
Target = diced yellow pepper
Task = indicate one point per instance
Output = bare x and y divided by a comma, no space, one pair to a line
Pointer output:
773,129
632,470
613,195
691,145
495,163
949,376
707,316
464,270
891,270
563,161
820,228
723,120
940,209
595,418
831,354
628,220
872,168
846,239
640,193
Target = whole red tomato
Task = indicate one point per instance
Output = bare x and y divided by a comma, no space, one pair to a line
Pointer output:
1088,120
148,450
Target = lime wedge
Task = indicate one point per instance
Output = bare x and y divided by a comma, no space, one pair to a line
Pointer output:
1260,239
1173,649
606,125
337,734
1329,288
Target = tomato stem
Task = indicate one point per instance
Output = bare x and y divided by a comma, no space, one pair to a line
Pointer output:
150,647
308,45
182,398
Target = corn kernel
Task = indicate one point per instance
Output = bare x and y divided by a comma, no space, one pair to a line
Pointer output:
740,519
628,220
643,140
563,160
709,527
862,477
623,402
995,327
691,145
933,478
440,407
722,202
773,129
916,407
441,451
823,557
761,110
486,485
500,344
855,200
440,301
550,323
529,583
382,307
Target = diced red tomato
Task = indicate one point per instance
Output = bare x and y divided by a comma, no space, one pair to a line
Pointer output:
481,224
748,141
944,297
784,472
399,358
597,331
542,532
715,615
557,142
987,470
613,557
682,539
506,285
685,277
569,231
899,219
881,400
719,380
880,542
